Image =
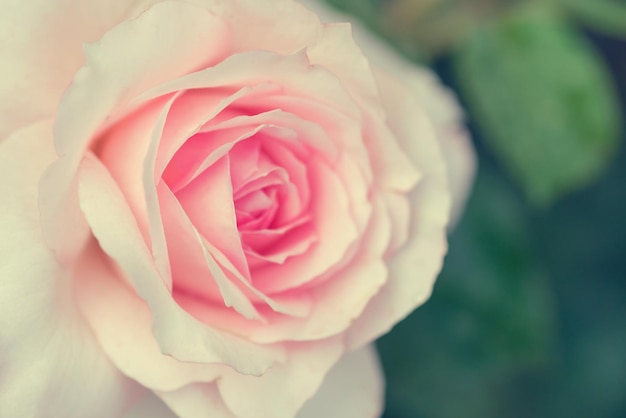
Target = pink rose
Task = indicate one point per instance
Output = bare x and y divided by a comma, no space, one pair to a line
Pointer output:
220,203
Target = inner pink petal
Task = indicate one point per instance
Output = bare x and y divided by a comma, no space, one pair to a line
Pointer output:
333,130
282,156
194,108
259,221
206,147
255,205
273,177
272,248
334,226
245,156
208,201
289,205
122,146
261,238
195,269
270,173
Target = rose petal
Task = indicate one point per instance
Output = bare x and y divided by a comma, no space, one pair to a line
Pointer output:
108,304
121,148
298,304
340,129
293,73
190,112
208,201
258,202
281,391
435,99
337,51
247,155
48,352
195,265
276,246
48,34
336,229
282,26
203,150
341,298
352,389
140,137
194,277
421,258
393,171
174,38
178,334
398,209
297,175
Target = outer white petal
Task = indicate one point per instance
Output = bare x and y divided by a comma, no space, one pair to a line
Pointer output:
279,393
352,389
41,43
41,46
414,267
50,365
436,100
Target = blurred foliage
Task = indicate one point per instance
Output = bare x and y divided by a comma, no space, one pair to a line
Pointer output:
538,91
543,100
603,15
426,27
479,330
528,318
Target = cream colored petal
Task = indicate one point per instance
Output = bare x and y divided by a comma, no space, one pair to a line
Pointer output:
352,389
282,391
41,42
415,266
437,101
167,41
50,364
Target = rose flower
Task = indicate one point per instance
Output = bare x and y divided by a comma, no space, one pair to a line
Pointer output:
211,208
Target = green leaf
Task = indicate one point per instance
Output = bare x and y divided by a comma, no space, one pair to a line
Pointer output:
490,318
543,101
608,16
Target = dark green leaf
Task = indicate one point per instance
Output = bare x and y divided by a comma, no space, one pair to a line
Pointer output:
543,100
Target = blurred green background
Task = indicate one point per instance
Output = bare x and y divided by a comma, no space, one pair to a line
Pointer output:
528,318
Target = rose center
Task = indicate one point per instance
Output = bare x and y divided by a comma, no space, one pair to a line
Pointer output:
257,209
270,195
